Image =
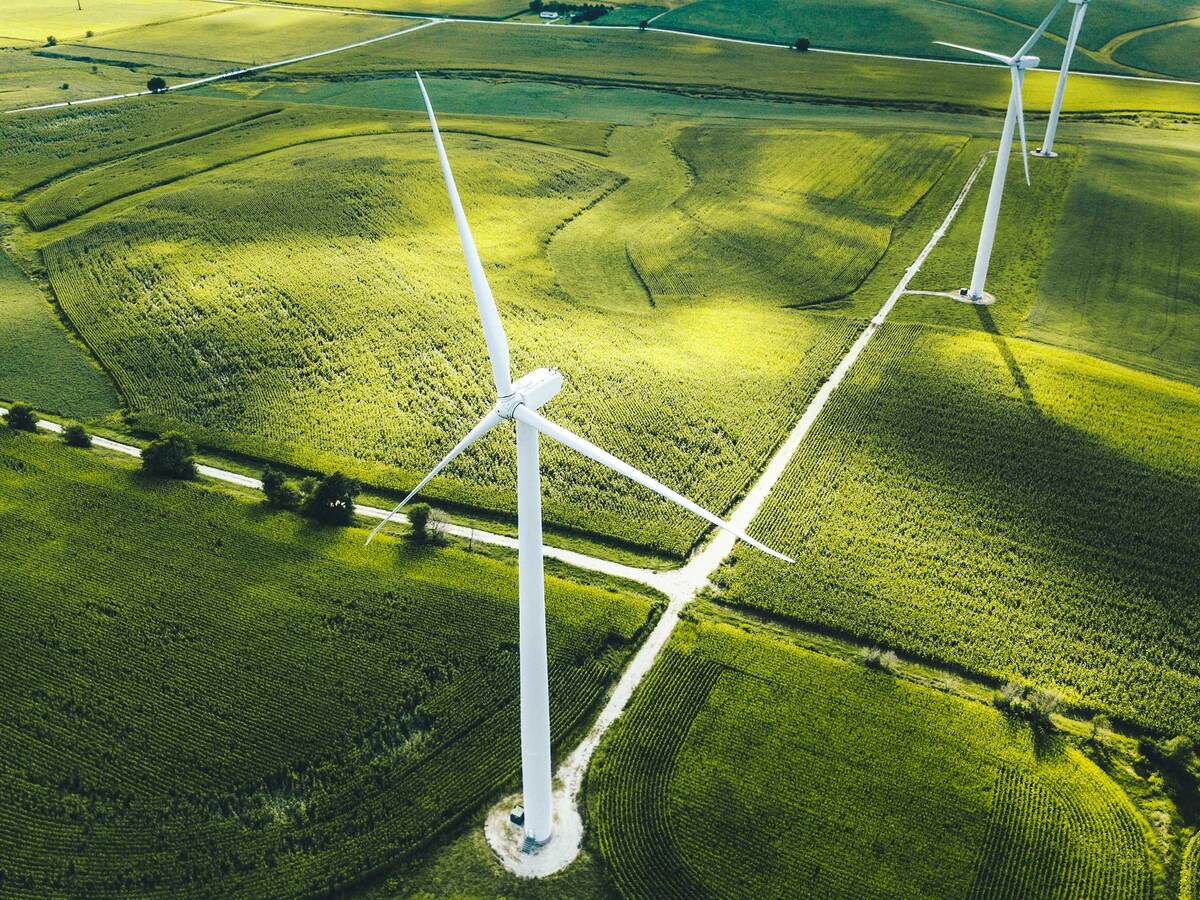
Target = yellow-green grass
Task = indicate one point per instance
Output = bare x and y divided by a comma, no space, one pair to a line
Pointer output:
1189,880
40,147
28,80
1175,49
691,63
1020,510
232,36
35,20
747,767
206,697
368,356
39,362
1123,281
486,9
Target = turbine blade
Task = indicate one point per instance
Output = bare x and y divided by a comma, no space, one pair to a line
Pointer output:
1040,30
486,424
1018,79
591,451
489,317
998,57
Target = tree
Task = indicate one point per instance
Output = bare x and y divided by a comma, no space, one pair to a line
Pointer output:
74,435
802,44
22,417
536,5
51,41
157,84
281,494
171,456
332,501
643,25
418,517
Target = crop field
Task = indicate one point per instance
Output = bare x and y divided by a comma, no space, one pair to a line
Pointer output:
191,299
39,363
726,69
268,709
1135,296
27,80
1189,887
733,738
1166,50
1016,509
232,36
28,21
497,9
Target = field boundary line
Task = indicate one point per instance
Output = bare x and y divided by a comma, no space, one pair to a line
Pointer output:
220,76
681,586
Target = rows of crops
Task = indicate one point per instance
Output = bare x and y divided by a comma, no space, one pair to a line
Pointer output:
1189,880
195,303
268,709
1017,509
757,769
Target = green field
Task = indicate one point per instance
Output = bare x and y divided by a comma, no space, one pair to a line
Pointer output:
1189,887
1015,509
498,9
34,20
39,363
270,709
1166,50
1135,295
190,298
720,781
27,80
725,69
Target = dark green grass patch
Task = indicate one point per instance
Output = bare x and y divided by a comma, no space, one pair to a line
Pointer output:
204,696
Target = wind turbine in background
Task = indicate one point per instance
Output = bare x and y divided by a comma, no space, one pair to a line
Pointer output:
1047,149
1018,64
519,402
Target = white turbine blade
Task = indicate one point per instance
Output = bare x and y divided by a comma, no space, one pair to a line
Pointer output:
591,451
998,57
1018,79
486,424
1040,30
489,317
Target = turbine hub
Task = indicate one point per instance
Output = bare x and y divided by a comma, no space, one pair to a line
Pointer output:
1028,62
534,390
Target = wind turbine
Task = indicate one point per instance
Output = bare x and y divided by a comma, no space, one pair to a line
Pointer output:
1017,64
519,402
1047,149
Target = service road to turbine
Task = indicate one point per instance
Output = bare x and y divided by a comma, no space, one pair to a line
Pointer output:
681,586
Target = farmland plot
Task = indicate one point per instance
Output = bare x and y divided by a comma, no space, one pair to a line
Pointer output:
867,786
1022,511
35,20
205,697
196,302
1134,296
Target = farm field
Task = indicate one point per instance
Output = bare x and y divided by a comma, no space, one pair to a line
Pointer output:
866,785
27,80
256,360
39,363
272,709
229,37
1015,509
688,63
1135,296
32,21
497,9
1169,49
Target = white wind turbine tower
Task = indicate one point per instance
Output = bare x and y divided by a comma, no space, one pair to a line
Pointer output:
1017,64
1047,149
518,402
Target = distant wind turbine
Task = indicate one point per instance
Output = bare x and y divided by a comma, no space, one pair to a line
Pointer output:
518,402
1017,64
1047,148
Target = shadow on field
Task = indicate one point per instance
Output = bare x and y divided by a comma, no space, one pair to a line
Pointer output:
989,325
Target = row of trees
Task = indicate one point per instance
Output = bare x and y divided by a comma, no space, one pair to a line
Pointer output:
329,500
579,12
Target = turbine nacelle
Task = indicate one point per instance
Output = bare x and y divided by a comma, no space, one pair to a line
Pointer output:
1027,62
533,390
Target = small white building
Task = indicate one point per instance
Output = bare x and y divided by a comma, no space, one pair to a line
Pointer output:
547,14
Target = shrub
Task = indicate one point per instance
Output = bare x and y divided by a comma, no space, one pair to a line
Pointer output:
22,417
66,86
643,25
1101,729
802,44
90,33
1041,705
280,493
1010,696
156,85
51,41
171,456
74,435
418,517
331,502
881,660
